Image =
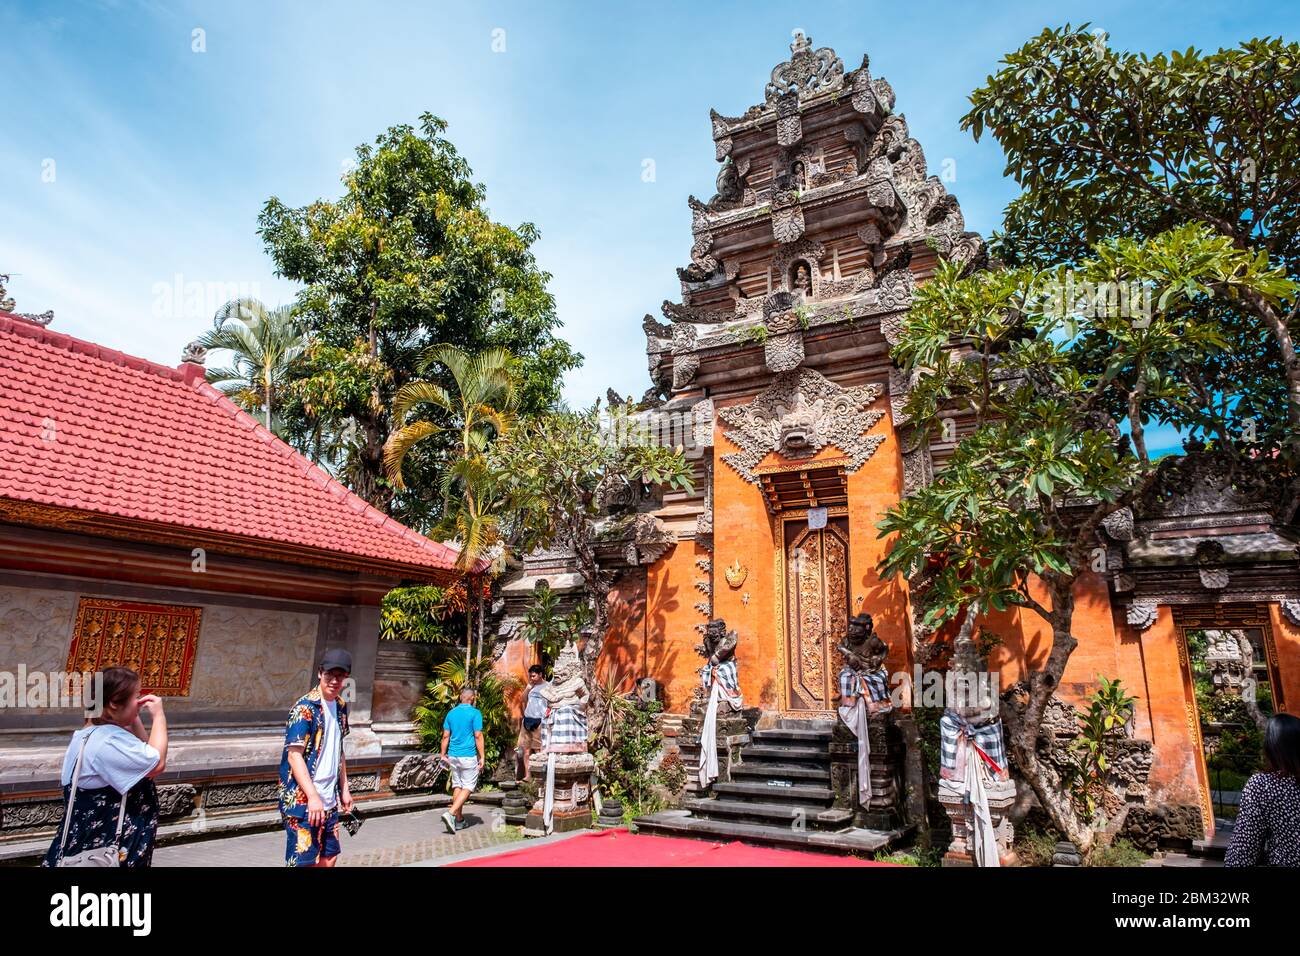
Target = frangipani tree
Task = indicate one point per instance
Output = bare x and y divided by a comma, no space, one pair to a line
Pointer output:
551,468
1109,144
1058,372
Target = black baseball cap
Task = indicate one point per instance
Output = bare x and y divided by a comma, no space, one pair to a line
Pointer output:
336,657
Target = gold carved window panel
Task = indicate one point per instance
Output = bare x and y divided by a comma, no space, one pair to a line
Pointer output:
157,641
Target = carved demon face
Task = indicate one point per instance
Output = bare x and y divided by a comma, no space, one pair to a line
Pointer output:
714,633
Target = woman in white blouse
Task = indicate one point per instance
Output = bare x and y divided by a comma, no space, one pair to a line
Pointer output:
116,801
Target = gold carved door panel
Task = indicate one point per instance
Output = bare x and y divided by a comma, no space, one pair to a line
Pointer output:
816,611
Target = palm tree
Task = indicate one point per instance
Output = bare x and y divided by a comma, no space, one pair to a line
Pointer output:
481,407
263,343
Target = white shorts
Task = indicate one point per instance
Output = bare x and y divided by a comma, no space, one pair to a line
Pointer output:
464,772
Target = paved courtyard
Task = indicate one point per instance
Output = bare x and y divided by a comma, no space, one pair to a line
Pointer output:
394,840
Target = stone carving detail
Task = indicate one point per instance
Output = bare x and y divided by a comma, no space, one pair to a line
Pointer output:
896,289
789,128
31,815
784,352
807,71
722,141
1119,524
176,800
811,252
414,772
918,467
239,794
1209,559
194,354
650,540
787,217
685,363
800,413
1141,614
1291,608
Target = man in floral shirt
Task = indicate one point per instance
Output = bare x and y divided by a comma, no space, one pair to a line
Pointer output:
313,771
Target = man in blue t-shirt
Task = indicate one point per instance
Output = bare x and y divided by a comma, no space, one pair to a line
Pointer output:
462,746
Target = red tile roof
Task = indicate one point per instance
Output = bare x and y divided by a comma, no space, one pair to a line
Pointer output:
88,428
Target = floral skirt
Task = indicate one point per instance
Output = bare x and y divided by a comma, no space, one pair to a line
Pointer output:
94,823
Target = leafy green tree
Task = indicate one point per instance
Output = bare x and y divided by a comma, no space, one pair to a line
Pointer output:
424,614
263,344
1109,144
407,257
547,627
1013,517
550,469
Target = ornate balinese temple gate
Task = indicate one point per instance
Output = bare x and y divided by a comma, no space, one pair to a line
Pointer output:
775,369
802,264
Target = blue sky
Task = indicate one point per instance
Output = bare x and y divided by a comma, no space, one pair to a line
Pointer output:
130,163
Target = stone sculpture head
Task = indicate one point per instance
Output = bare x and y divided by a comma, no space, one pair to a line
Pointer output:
862,649
715,633
802,279
567,665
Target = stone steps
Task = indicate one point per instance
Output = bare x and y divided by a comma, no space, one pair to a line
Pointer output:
856,840
767,792
804,735
784,754
787,814
768,770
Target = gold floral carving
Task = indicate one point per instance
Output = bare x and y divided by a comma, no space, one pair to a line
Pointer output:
157,641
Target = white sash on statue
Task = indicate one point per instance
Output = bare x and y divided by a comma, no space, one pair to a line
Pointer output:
548,802
982,833
855,718
709,738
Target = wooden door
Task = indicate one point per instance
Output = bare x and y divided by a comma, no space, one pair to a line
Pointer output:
816,612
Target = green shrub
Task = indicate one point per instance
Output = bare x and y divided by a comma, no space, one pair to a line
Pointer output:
442,693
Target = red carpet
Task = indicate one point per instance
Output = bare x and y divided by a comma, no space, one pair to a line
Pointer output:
620,848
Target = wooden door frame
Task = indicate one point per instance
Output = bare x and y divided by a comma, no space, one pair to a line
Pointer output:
779,522
1244,615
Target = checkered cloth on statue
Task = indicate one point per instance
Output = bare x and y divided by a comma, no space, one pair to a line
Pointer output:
874,683
564,728
564,731
985,738
726,675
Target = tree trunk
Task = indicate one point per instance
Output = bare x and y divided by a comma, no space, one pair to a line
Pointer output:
1027,726
469,640
478,587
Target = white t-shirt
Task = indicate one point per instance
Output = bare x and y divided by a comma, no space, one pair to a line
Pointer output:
115,758
326,777
535,704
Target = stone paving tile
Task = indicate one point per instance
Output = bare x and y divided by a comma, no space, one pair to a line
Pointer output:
383,841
